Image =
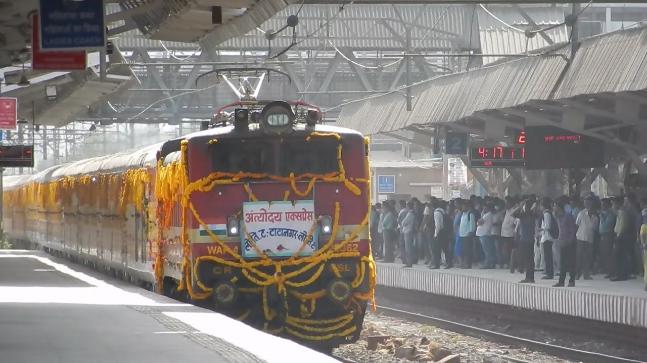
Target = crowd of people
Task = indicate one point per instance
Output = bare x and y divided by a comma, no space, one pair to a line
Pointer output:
570,236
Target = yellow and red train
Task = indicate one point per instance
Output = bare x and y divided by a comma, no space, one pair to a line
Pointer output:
264,218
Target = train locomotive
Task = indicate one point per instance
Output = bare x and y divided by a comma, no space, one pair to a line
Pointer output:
263,217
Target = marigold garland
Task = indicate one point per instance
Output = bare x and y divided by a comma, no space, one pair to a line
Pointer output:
172,194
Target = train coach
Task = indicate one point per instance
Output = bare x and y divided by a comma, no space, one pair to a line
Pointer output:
263,217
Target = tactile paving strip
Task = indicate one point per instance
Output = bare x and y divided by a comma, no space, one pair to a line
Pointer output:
228,351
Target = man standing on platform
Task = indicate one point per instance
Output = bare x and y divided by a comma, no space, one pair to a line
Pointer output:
587,222
427,230
508,232
527,219
440,242
546,239
566,242
607,237
389,232
466,232
402,212
625,237
376,230
408,230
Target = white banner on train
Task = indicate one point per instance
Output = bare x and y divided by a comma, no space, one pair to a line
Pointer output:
278,229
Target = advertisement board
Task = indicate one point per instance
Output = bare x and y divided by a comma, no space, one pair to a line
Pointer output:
8,113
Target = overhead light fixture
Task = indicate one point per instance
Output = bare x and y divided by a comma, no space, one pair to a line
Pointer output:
50,92
23,80
23,77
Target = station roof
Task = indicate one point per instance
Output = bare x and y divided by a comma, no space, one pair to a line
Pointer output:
591,94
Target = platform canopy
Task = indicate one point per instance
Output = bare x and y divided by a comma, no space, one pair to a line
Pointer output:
601,91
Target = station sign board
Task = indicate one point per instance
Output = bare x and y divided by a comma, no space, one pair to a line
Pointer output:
8,113
72,25
549,147
456,143
54,60
15,156
279,228
386,184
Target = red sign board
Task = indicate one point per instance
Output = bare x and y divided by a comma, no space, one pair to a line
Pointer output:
54,60
8,113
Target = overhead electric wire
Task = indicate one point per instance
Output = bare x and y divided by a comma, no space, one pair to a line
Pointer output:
314,32
169,98
362,65
178,58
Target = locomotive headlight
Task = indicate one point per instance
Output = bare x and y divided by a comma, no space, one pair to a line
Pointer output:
233,226
277,117
326,224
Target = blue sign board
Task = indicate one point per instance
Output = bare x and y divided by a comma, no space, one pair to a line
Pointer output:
456,143
386,184
68,25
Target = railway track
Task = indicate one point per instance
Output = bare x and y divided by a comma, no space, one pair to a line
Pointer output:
552,349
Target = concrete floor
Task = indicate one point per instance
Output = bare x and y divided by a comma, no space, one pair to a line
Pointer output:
52,312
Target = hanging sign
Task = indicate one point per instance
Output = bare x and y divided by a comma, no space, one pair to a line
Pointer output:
72,25
8,113
54,61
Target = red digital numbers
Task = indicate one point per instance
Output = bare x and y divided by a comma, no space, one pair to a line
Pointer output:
497,152
521,138
482,152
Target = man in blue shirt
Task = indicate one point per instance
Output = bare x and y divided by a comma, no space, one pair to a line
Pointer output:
466,231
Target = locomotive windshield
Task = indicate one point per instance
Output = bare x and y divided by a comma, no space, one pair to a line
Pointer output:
234,156
317,156
276,157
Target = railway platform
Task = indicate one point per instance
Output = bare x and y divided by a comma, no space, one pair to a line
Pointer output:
53,311
623,302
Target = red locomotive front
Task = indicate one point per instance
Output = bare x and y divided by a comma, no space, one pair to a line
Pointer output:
272,219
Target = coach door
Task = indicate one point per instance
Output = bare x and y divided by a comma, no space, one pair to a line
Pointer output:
140,238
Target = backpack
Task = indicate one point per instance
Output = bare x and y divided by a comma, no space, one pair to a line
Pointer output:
553,231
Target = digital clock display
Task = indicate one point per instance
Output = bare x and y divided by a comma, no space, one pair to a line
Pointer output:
482,156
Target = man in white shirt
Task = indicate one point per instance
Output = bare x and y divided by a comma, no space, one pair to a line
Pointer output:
508,230
497,220
587,222
484,233
427,231
440,237
408,229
